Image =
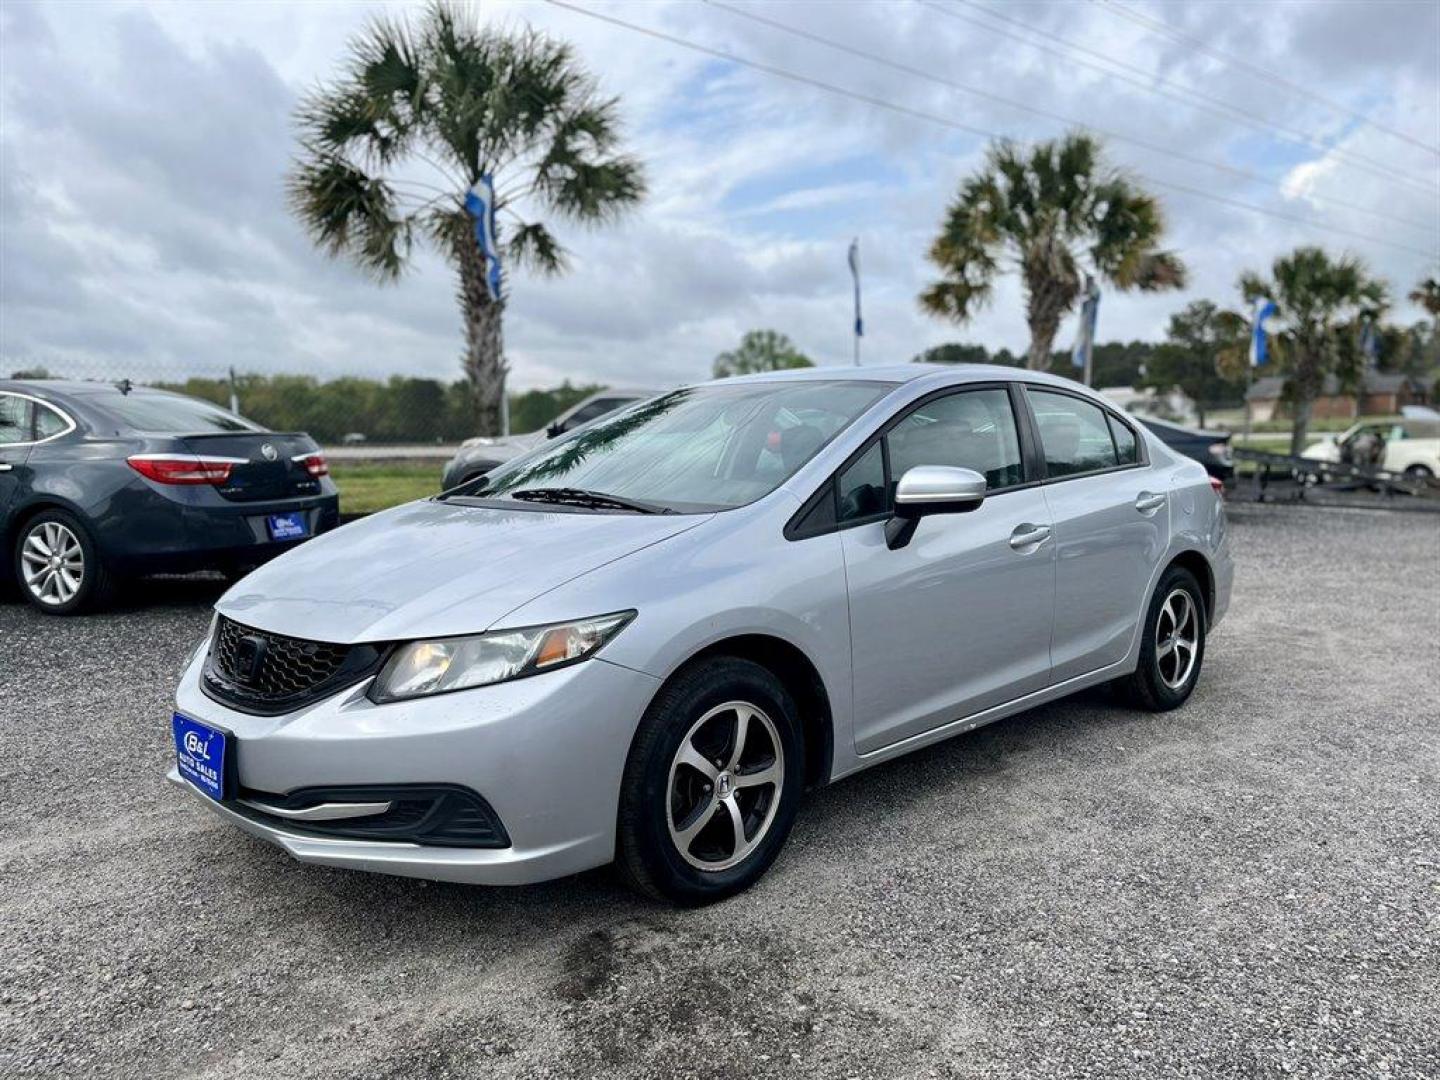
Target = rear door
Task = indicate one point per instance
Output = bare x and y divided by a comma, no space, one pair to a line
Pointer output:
1111,526
17,434
958,620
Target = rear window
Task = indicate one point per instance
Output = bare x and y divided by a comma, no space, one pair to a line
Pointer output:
167,415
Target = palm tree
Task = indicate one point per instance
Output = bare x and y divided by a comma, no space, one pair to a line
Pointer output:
1427,295
1060,213
1319,302
420,112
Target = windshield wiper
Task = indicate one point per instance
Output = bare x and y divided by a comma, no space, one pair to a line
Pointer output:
581,497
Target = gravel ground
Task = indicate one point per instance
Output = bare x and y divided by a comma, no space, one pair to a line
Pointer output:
1249,886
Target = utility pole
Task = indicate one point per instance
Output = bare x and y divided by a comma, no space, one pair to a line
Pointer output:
234,393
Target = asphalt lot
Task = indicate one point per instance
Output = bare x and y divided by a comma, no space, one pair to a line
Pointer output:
1249,886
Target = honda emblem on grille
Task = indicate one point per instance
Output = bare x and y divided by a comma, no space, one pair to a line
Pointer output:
249,655
268,452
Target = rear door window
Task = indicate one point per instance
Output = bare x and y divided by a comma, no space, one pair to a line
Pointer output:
14,420
1074,434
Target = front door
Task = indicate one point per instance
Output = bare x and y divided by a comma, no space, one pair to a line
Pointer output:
959,619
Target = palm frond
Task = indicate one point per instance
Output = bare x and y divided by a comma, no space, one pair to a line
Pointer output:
350,213
533,246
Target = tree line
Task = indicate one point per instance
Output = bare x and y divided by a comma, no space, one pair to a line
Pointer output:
395,410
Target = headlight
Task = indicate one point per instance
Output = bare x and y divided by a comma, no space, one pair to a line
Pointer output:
435,667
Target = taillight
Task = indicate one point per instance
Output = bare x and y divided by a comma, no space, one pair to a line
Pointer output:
315,464
183,468
1218,486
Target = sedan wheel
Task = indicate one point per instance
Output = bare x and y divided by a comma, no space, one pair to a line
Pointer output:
1172,647
56,564
725,785
1176,632
711,783
52,564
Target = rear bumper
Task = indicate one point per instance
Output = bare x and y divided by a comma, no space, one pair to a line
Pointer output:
156,534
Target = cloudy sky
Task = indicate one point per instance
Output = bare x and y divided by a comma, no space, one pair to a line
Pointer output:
143,148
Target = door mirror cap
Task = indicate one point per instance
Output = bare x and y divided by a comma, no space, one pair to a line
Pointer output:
554,429
931,489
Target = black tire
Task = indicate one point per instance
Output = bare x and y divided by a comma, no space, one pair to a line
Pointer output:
1150,686
95,581
1420,474
647,856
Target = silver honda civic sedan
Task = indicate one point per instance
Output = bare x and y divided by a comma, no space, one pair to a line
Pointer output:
641,643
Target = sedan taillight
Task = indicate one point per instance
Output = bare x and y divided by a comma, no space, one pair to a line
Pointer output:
183,468
315,464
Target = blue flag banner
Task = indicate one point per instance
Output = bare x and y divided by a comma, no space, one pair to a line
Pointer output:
480,203
1085,333
1370,343
854,258
1259,353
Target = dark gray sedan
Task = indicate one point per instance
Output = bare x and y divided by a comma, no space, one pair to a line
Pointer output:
100,482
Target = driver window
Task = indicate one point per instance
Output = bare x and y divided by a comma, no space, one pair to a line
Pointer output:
974,429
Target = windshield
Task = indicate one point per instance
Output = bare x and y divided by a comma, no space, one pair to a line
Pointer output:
172,415
698,449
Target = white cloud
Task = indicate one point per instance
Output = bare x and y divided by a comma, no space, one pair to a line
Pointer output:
143,148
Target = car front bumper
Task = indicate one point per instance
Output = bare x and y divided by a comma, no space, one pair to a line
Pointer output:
546,753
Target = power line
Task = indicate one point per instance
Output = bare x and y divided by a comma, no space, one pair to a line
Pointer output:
945,121
1255,69
1188,96
1189,159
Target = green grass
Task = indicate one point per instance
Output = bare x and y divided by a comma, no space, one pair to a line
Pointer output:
367,486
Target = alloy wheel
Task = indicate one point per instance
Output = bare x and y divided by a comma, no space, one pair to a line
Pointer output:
1177,631
53,563
724,786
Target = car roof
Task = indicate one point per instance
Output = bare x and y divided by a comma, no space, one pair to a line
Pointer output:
895,374
62,388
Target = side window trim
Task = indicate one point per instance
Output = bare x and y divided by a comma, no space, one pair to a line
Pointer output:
1142,455
36,404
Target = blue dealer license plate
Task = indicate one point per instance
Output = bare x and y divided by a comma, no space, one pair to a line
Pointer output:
286,526
200,753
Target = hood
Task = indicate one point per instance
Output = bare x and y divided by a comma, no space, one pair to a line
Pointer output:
434,569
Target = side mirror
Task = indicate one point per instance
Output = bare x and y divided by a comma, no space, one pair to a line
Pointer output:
931,489
553,430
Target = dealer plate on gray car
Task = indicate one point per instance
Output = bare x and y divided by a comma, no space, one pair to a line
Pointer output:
200,752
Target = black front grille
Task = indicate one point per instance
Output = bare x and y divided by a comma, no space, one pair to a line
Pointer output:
259,672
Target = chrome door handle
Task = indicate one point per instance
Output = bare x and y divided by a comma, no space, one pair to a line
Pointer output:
4,467
1145,502
1029,536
